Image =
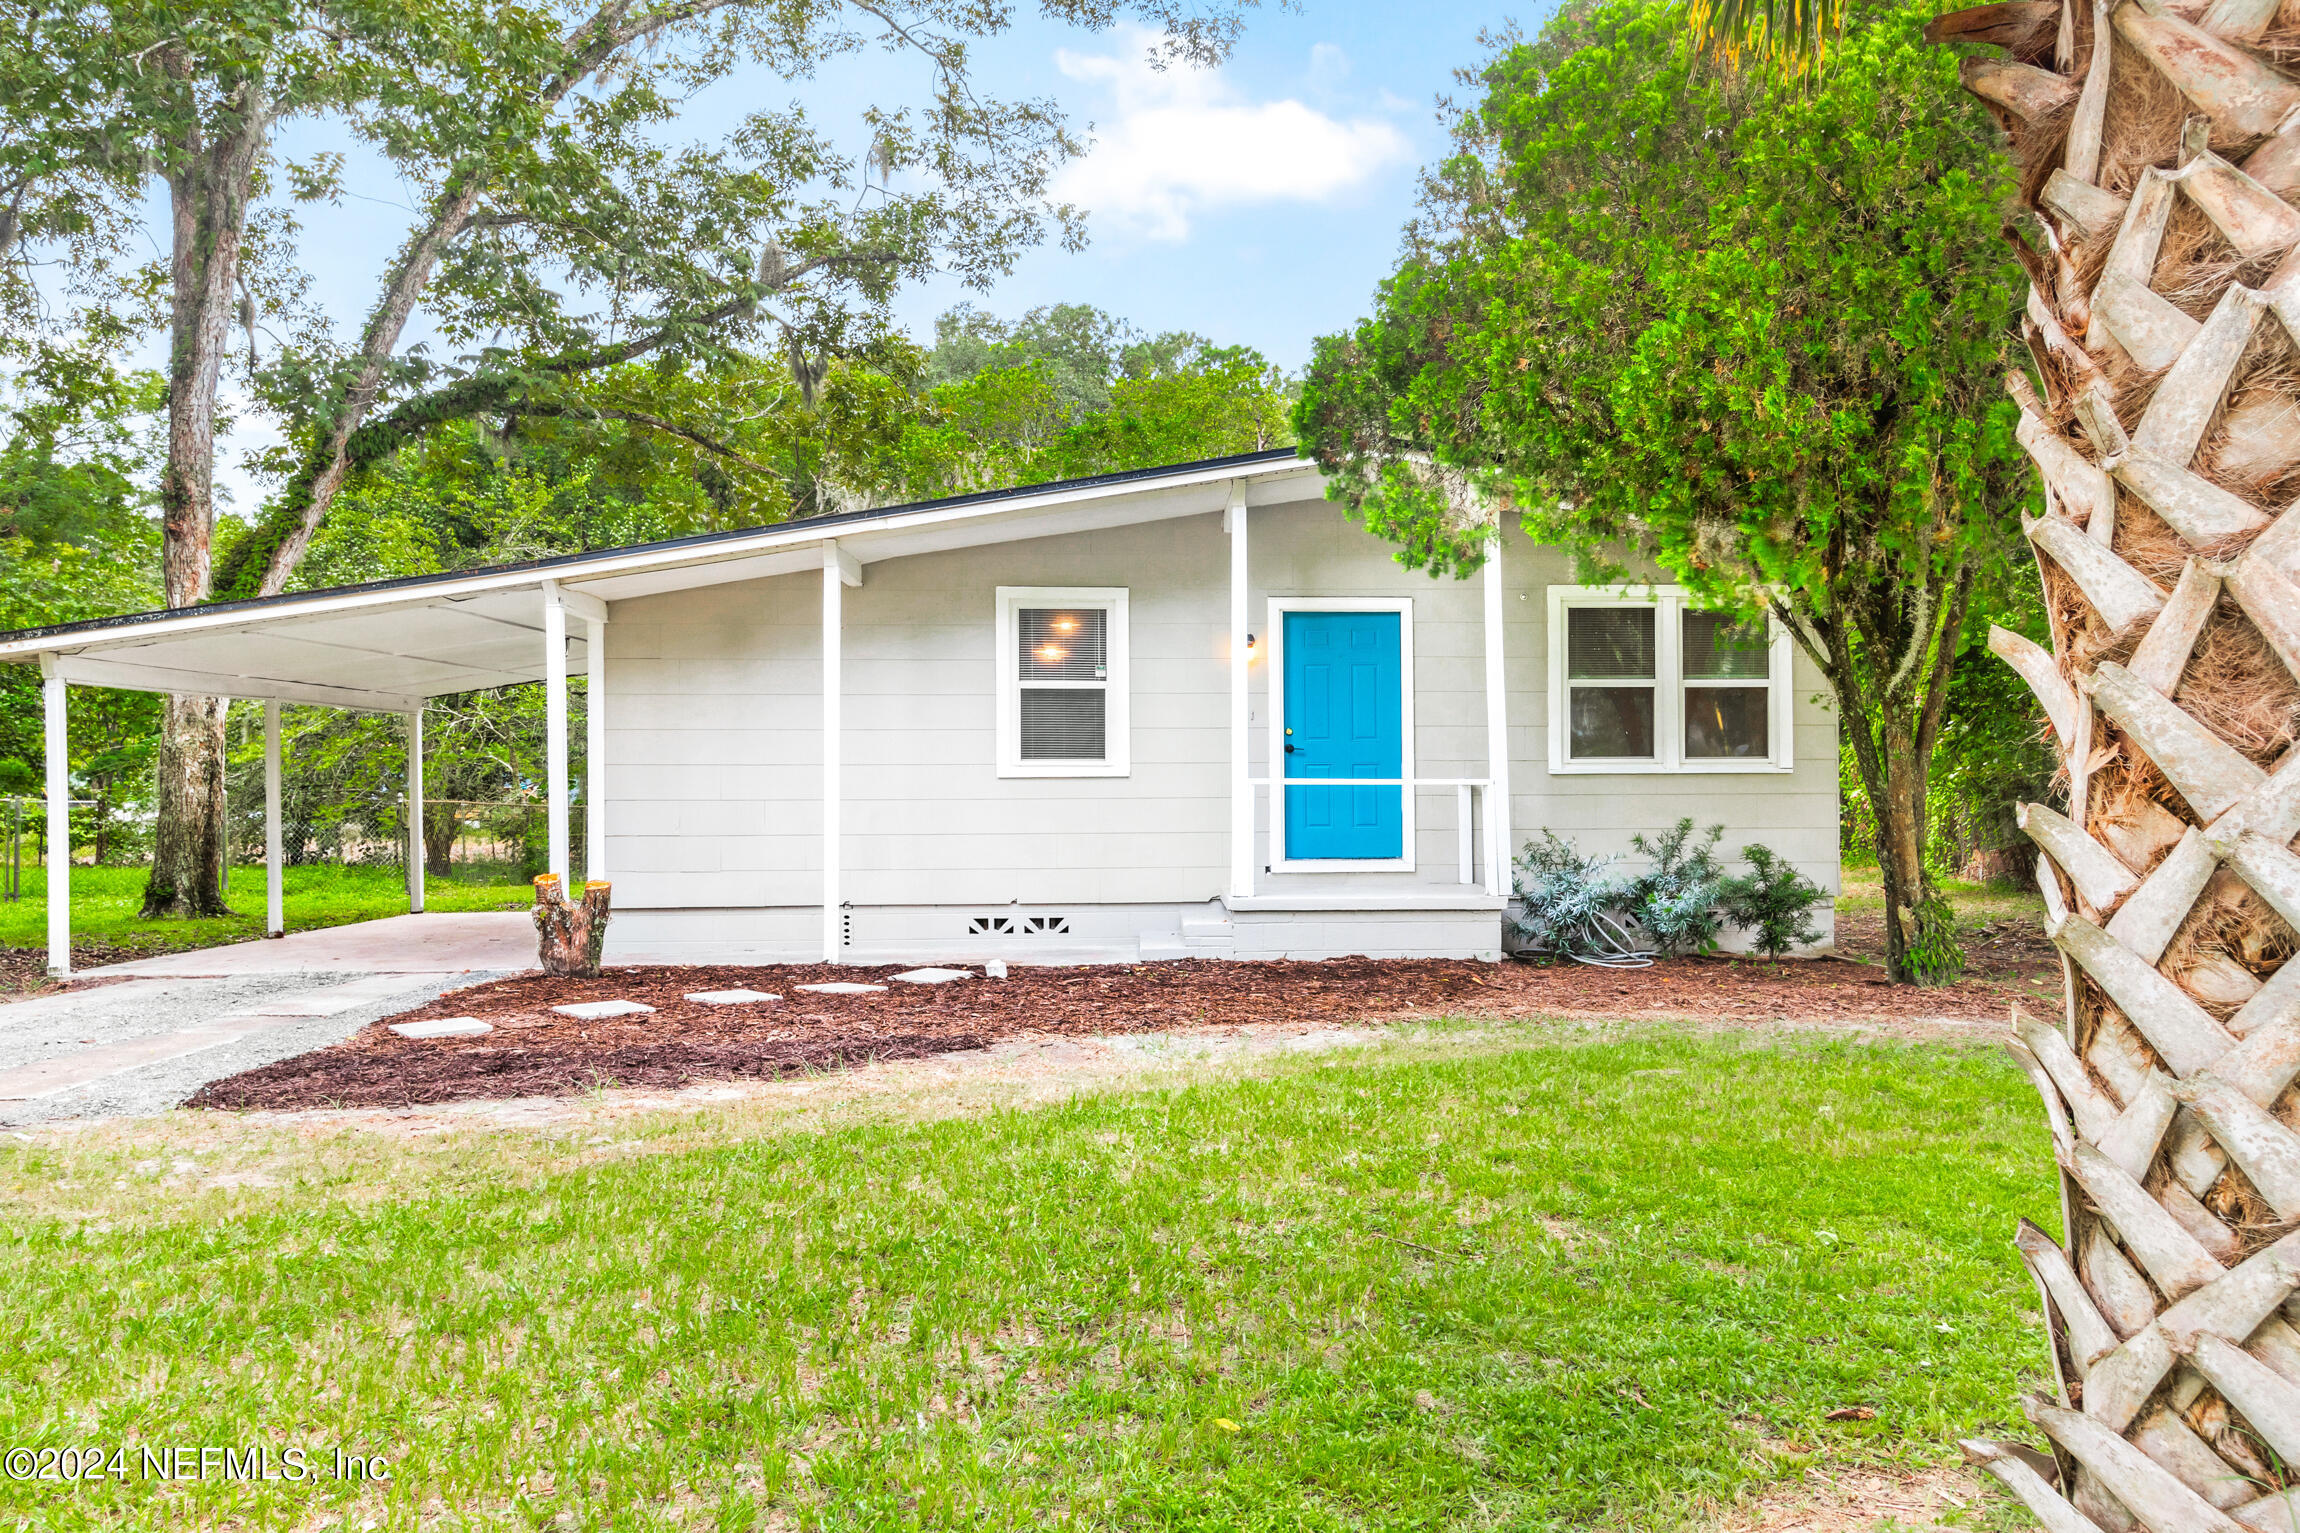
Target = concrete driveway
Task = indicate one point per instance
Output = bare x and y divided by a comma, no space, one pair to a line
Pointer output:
184,1019
441,943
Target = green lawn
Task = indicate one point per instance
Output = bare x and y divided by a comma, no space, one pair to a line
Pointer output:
1862,888
1579,1282
105,902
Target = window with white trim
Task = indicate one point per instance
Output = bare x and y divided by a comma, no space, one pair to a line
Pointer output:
1062,681
1643,681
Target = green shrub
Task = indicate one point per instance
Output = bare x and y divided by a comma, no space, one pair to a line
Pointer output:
1682,900
1568,899
1774,902
1935,955
1675,898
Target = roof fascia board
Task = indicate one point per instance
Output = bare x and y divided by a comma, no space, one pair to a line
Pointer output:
856,534
610,562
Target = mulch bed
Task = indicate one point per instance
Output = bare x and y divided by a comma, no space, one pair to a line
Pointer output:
24,970
536,1052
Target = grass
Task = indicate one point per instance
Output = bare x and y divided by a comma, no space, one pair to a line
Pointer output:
105,901
1544,1282
1863,888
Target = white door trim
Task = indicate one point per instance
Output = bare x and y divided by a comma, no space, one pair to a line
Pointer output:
1279,607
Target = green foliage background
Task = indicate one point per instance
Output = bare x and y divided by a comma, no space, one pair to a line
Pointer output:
1717,324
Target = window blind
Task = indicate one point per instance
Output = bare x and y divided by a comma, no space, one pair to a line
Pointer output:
1064,644
1064,724
1609,643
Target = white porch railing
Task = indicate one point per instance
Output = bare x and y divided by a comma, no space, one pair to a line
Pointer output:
1484,798
1470,796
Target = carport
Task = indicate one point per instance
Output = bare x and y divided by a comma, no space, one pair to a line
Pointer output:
390,646
387,648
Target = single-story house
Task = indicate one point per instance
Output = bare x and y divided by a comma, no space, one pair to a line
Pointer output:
1193,710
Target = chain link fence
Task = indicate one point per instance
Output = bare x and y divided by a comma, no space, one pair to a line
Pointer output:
476,840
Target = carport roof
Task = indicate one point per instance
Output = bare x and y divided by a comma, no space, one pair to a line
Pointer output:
389,644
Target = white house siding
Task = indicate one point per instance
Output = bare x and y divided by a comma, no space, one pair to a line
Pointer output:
930,821
1794,812
714,748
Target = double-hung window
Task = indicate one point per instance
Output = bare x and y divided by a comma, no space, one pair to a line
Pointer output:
1641,681
1062,681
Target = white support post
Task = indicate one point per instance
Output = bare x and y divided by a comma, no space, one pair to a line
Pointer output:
1241,659
1497,856
275,897
415,811
555,728
59,822
595,753
840,570
1464,835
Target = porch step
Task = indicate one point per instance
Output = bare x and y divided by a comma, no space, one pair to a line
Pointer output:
1368,900
1199,937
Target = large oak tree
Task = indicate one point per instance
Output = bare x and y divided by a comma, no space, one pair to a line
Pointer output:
557,229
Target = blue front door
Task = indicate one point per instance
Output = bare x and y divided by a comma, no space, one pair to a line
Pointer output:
1343,719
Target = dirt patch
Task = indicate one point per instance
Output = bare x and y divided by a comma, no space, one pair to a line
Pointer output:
24,970
537,1052
1749,989
2006,948
1027,1070
1844,1500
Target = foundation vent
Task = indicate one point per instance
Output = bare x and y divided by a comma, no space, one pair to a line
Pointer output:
1010,926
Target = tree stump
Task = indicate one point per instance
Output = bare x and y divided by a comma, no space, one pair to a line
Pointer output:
571,935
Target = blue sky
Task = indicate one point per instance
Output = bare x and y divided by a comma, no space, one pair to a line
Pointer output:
1257,203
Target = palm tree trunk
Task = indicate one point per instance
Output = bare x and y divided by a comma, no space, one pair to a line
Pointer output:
2158,148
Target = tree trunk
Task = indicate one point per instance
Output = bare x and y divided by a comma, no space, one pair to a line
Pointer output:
441,824
572,936
2158,323
209,186
1894,774
1900,845
1891,690
188,835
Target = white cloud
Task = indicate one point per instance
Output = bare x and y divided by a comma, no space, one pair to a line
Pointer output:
1182,140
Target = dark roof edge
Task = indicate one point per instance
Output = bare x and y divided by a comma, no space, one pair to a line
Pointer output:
692,540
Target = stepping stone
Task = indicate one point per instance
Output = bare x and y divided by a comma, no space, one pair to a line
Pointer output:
591,1011
443,1027
844,987
731,997
933,976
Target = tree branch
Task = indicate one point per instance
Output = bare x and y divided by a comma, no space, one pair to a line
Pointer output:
709,444
304,503
1935,706
1920,630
